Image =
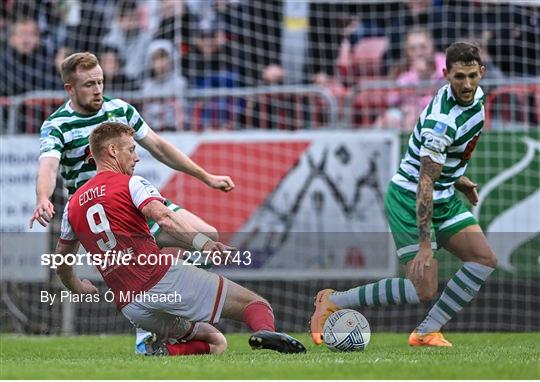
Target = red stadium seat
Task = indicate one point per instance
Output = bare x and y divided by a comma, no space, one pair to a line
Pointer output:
368,105
365,60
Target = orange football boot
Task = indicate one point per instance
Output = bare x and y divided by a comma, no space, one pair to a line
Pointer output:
428,339
323,308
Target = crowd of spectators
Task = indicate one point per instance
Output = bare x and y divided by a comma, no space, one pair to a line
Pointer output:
169,46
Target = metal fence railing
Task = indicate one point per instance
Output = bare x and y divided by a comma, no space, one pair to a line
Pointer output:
276,107
507,100
297,107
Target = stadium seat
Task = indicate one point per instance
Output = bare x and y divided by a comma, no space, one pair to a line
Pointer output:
366,60
368,105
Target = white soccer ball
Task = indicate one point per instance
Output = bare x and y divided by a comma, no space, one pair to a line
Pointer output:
346,330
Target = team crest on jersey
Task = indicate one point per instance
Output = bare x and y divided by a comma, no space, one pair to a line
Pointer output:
111,117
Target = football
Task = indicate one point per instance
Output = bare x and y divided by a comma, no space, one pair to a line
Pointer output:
346,330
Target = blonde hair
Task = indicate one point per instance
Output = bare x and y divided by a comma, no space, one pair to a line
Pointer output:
104,133
82,60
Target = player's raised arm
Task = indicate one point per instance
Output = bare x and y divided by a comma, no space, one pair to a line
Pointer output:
430,171
45,184
171,156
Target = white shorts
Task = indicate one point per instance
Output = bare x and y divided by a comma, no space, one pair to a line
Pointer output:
185,295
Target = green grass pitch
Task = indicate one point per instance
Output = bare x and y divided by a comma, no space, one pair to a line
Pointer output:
474,356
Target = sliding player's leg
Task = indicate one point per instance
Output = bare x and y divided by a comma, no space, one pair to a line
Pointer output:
212,336
204,339
241,304
470,245
206,297
173,335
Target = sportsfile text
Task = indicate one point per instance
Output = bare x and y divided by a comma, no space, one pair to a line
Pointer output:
127,257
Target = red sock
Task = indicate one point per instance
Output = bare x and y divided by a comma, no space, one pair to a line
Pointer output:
188,348
259,316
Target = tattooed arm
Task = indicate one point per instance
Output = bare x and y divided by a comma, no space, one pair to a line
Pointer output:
429,173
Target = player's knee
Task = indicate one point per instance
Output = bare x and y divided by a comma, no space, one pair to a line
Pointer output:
252,297
493,261
426,293
263,301
489,259
255,298
218,345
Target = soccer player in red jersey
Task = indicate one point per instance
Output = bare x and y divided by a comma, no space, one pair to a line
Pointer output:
177,301
64,149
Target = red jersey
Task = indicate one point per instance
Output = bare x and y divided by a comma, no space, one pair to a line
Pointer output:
105,216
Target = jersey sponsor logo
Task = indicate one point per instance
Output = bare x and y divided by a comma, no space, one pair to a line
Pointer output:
434,143
149,187
45,131
440,128
79,133
47,144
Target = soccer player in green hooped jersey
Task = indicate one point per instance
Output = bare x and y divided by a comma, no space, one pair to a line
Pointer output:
424,213
64,143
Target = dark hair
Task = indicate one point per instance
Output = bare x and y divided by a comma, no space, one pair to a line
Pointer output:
465,52
100,137
114,50
109,49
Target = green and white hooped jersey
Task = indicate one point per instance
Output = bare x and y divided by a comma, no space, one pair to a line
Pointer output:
64,135
447,133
